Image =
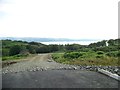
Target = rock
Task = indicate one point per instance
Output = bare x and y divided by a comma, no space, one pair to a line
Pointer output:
15,72
5,72
91,69
49,60
30,70
75,68
34,70
61,68
95,69
45,69
41,69
81,68
37,68
116,70
69,68
118,73
88,67
11,71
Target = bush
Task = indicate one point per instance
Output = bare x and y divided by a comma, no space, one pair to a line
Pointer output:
5,52
72,55
99,56
118,54
100,52
31,49
14,50
112,54
55,57
84,49
21,55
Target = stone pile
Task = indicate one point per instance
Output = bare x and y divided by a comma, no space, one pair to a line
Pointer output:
112,69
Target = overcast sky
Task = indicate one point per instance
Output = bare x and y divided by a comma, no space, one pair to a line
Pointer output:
88,19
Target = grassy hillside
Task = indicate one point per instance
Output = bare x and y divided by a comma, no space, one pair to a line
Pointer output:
87,58
93,54
18,49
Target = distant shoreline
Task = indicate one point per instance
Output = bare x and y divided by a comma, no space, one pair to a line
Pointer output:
69,42
58,41
52,40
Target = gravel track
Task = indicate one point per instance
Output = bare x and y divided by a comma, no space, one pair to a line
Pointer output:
38,62
42,62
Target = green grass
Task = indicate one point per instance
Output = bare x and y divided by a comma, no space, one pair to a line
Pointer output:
87,58
15,57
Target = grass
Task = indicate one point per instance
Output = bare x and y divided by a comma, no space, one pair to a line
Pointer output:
87,58
15,57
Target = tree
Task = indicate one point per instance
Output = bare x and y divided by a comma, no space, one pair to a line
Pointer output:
72,47
53,48
111,42
15,50
23,50
31,48
43,49
98,44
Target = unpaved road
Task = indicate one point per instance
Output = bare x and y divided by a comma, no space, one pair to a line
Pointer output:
39,62
41,71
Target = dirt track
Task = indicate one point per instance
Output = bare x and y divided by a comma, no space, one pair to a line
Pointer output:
38,62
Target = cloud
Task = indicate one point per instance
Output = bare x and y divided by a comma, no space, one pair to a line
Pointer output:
60,18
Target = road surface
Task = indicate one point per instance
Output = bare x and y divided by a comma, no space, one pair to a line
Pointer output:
41,71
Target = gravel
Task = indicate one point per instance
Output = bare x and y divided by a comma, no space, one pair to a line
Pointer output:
43,62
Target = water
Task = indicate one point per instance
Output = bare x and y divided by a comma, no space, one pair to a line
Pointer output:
70,42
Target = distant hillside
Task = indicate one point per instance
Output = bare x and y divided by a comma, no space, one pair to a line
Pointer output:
111,42
30,39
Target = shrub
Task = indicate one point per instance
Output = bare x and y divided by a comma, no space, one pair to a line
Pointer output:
14,50
5,52
31,49
100,52
99,56
55,57
112,54
72,55
118,54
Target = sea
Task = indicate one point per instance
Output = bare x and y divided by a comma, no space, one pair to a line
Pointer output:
69,42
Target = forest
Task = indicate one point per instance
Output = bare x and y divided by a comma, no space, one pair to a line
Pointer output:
93,54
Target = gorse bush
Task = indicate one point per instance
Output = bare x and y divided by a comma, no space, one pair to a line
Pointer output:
112,54
99,56
17,49
100,52
55,57
5,52
118,54
72,55
14,50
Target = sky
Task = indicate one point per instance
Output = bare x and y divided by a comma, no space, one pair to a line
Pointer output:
78,19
